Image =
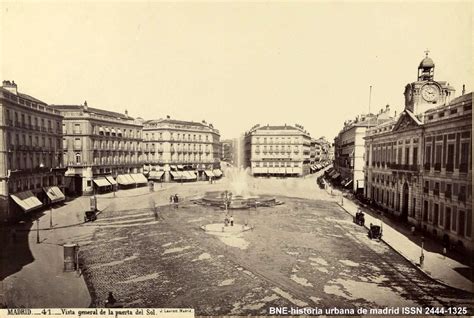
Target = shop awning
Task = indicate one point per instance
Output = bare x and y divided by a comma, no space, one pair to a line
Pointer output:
180,167
192,175
176,175
102,182
318,166
138,178
336,175
209,173
54,194
26,200
348,183
217,172
156,175
111,180
173,167
124,179
360,184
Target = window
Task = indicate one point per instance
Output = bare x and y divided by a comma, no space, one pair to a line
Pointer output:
428,154
78,157
464,158
450,158
407,156
447,218
415,156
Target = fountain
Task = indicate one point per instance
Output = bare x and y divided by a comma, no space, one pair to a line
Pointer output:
239,197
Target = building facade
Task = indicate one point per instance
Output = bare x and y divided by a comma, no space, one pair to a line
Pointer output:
31,164
227,150
282,151
447,172
177,150
419,165
98,146
349,149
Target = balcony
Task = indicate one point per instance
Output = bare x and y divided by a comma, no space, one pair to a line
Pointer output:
427,166
448,194
463,167
426,190
436,192
462,197
437,166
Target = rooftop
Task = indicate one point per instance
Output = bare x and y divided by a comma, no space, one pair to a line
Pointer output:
92,110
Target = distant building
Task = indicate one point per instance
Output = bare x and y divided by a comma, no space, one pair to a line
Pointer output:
99,146
419,165
282,151
177,150
31,170
227,150
349,149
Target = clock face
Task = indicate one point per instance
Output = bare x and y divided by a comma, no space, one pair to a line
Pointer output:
430,93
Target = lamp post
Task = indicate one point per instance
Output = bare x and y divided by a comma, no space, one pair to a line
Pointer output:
51,218
422,256
37,232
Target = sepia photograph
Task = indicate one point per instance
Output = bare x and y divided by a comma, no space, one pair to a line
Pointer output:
236,158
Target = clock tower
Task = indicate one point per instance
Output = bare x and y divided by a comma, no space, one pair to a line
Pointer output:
426,93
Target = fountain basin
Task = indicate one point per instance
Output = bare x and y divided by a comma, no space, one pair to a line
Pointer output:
216,199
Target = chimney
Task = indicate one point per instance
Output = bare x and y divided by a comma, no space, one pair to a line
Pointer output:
463,89
168,116
126,112
10,86
85,105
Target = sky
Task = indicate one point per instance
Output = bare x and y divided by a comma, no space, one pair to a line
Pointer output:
233,64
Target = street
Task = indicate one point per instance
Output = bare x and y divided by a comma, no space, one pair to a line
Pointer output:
306,252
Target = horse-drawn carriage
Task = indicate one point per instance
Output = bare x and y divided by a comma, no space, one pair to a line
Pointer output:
375,232
359,218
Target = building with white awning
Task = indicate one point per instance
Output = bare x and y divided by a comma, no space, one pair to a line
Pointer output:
173,145
31,151
54,194
26,200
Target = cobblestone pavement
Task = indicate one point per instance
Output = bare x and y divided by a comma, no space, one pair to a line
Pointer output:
306,252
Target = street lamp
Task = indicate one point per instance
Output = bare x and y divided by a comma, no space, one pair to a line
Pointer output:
37,232
422,256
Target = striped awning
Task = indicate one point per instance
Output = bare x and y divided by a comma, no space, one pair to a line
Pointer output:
102,182
138,178
125,179
26,200
217,172
156,175
190,175
54,194
111,180
176,175
336,175
209,173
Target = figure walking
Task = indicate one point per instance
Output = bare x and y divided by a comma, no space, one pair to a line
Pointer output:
231,220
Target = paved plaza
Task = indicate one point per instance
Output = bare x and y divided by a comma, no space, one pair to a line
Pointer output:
306,252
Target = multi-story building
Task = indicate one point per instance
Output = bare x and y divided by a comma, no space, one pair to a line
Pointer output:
227,150
31,171
277,150
181,150
99,146
447,172
418,165
349,149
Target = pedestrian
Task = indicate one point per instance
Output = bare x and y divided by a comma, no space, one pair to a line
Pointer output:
171,199
231,220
